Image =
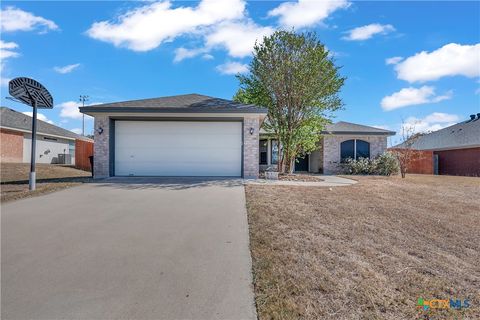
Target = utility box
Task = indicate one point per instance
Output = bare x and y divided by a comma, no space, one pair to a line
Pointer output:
64,158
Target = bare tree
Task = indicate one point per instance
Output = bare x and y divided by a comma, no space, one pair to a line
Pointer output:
404,152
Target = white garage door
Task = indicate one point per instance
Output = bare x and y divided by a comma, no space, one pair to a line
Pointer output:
178,148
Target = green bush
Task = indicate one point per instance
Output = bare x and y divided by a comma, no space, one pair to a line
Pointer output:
385,164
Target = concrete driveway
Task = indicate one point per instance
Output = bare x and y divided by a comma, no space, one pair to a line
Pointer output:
129,249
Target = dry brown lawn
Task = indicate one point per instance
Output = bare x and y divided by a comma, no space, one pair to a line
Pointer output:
366,251
14,179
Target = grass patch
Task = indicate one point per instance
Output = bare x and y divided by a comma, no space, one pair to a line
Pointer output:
366,251
50,178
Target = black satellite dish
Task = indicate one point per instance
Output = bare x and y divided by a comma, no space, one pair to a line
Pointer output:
34,94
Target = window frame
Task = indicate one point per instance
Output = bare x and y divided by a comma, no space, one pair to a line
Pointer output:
355,155
265,141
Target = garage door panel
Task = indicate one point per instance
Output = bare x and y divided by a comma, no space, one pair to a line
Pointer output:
178,148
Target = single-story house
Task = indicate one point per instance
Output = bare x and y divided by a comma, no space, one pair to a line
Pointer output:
455,149
197,135
185,135
55,145
338,142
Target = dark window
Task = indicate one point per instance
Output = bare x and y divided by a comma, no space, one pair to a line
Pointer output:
347,150
263,151
363,149
274,151
48,138
354,149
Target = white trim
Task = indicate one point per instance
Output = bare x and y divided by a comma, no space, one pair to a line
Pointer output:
269,155
177,115
38,132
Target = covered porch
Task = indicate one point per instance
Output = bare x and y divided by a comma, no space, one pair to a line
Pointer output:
268,156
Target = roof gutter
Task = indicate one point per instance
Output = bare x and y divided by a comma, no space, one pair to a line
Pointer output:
89,110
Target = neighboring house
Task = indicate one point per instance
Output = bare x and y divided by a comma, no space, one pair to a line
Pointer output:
55,145
338,142
185,135
455,149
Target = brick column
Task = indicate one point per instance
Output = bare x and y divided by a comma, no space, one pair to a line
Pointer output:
101,148
250,147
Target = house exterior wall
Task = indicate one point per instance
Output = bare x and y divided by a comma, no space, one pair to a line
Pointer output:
102,145
459,162
48,149
316,158
251,147
331,149
11,146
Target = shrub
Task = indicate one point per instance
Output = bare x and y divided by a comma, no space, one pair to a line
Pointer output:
385,164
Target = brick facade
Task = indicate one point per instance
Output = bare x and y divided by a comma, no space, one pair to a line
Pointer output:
250,147
331,149
11,146
101,147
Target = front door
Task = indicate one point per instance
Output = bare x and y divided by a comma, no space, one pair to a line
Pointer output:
301,164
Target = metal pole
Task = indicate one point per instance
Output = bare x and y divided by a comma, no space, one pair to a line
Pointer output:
32,176
83,124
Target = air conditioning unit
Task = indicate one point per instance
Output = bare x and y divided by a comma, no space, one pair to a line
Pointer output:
64,158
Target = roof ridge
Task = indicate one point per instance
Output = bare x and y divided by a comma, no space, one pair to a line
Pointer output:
157,98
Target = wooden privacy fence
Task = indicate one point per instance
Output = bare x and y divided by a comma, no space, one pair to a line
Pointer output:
421,162
83,150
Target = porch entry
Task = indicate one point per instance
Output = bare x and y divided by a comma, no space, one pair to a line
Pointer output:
301,164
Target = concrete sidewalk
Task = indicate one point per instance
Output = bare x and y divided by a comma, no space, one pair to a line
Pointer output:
129,249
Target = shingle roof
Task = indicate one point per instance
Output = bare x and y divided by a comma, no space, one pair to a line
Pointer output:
459,136
16,120
343,127
181,103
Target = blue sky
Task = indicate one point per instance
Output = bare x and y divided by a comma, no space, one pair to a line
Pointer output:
115,51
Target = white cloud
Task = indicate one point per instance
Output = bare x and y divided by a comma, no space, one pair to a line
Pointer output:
232,68
306,13
69,109
207,56
368,31
393,60
6,52
184,53
431,122
40,116
412,96
238,37
66,69
14,19
381,126
147,27
76,130
450,60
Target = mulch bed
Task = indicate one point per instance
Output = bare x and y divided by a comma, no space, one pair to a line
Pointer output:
296,177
